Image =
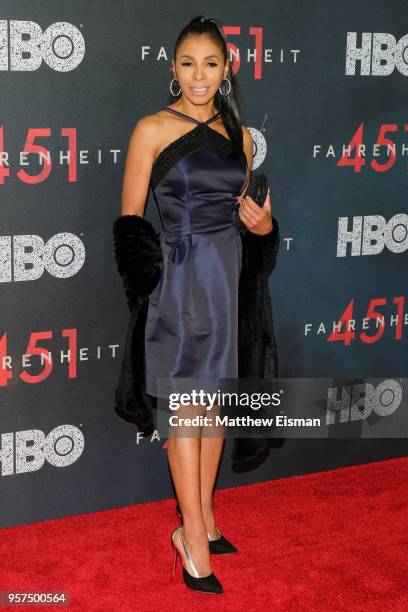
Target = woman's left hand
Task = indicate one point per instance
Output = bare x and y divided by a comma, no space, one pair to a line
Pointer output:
258,219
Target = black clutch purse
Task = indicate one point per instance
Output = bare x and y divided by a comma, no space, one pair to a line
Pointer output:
257,190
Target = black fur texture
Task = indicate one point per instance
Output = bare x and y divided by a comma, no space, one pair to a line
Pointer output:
257,350
138,256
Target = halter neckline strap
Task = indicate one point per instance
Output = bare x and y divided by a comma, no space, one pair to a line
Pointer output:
176,112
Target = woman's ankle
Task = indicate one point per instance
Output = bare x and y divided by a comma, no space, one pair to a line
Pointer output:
195,531
210,523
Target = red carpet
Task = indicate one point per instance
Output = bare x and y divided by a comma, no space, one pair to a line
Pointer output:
330,541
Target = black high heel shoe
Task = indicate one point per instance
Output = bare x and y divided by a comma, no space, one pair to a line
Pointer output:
220,546
205,584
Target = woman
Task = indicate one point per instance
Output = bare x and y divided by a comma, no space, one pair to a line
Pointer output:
198,175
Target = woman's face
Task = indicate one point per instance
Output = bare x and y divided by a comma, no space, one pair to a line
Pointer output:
199,68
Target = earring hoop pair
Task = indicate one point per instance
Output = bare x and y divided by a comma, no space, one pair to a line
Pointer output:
223,93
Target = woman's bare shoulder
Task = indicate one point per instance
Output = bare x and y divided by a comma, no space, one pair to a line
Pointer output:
246,135
248,145
148,126
149,130
153,122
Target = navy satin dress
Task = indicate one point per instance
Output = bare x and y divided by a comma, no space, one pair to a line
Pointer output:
192,321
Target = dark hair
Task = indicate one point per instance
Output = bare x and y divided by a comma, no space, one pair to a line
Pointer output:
228,105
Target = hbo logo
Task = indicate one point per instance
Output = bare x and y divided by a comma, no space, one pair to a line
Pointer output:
378,54
357,402
61,46
62,447
368,235
62,256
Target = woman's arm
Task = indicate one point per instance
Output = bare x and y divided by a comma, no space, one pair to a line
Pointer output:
257,220
136,244
249,152
140,156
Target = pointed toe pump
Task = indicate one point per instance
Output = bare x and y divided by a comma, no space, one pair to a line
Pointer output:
205,584
218,546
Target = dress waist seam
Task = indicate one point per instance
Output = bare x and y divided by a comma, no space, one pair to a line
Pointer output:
188,232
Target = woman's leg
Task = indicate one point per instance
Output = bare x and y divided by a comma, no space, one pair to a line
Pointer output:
184,462
212,443
211,449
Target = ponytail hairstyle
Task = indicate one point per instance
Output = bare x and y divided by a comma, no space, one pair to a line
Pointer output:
228,105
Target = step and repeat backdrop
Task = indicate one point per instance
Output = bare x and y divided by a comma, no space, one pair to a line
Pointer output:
323,88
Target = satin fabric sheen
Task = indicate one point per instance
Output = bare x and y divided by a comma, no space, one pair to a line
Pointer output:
192,320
